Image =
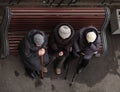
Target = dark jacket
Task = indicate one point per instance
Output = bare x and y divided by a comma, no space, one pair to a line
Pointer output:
57,44
81,44
27,48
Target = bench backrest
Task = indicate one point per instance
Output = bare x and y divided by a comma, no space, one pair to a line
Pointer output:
19,20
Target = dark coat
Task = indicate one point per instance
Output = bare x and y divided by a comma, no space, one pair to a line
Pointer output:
29,51
81,44
57,44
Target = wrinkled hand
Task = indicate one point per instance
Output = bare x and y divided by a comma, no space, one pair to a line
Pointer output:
61,53
41,52
82,53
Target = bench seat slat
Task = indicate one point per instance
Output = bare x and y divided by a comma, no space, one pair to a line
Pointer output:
56,17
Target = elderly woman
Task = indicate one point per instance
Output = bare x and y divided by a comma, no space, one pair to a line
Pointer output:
86,44
60,45
32,48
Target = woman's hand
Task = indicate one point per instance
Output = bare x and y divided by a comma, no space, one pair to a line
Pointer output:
41,52
61,53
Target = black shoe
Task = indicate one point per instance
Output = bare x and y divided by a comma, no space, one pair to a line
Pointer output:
33,75
37,72
80,70
65,66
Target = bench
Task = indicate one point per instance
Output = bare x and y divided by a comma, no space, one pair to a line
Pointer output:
17,21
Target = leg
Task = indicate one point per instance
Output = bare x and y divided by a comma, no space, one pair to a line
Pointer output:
31,73
46,59
28,67
82,65
67,64
83,61
59,64
45,62
68,60
34,65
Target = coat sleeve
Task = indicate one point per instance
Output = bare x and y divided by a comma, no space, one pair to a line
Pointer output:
76,45
76,48
27,49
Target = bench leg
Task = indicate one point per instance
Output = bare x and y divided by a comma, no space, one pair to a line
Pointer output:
67,69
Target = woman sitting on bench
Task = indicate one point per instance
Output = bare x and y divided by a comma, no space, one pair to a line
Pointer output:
60,44
32,48
86,44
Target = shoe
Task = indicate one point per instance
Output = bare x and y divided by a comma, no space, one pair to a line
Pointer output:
45,70
37,72
80,70
33,75
58,71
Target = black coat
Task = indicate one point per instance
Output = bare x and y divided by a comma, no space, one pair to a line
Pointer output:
57,44
28,50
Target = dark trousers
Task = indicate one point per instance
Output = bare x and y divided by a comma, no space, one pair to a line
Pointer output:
59,61
82,63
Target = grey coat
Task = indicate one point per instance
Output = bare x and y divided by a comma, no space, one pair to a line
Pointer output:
81,45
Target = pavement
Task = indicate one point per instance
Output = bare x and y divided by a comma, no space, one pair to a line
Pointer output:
101,75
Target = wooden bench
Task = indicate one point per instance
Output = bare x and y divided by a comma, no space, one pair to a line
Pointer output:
18,21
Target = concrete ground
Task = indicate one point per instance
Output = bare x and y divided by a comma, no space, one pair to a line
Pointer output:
101,75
